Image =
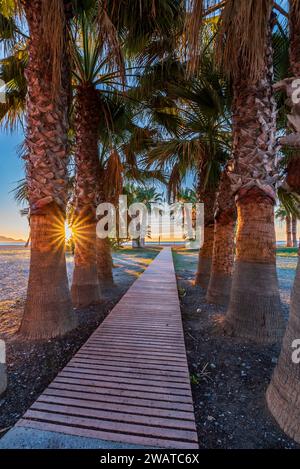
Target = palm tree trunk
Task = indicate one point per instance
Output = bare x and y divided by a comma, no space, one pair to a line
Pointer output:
206,251
48,310
293,167
284,389
104,264
294,231
288,225
254,310
3,372
218,291
85,286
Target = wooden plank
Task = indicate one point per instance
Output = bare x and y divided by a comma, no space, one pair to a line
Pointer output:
110,425
116,437
109,415
97,381
116,371
141,394
116,407
181,373
108,399
135,381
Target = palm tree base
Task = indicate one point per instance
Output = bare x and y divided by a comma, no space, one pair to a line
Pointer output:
218,291
48,308
104,264
254,310
85,293
282,403
106,285
284,390
203,273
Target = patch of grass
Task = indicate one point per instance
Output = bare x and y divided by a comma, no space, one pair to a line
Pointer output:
194,379
147,252
287,252
203,374
185,259
182,291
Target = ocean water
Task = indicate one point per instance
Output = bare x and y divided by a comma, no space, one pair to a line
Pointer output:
12,244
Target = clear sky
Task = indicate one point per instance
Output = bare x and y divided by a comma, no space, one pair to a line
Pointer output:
11,170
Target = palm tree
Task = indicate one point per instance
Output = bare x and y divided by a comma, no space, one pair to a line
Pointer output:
218,290
145,195
92,80
284,389
195,135
294,231
244,42
282,214
48,311
122,141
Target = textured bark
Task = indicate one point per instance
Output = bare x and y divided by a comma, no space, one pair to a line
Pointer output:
254,147
205,258
85,285
218,290
206,251
293,137
48,306
254,310
3,378
223,249
294,231
103,248
104,264
288,226
284,390
293,173
48,309
206,195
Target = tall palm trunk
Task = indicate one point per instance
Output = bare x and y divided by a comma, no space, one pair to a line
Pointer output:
284,390
85,286
293,168
223,250
103,248
294,231
207,195
254,310
104,264
288,227
48,311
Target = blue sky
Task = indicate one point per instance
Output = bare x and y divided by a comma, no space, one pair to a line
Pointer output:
11,170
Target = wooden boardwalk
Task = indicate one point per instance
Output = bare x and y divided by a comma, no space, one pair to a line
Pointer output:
129,382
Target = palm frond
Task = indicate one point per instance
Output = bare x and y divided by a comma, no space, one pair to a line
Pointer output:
241,41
